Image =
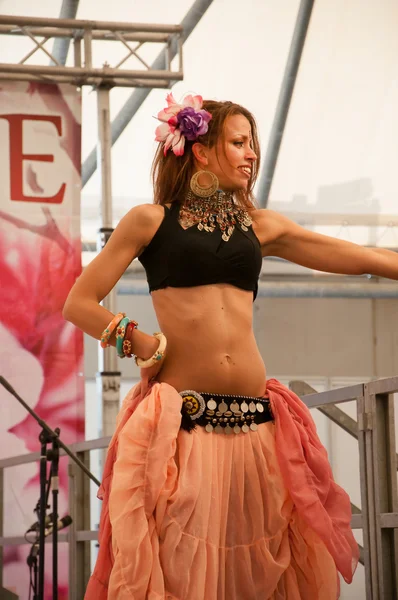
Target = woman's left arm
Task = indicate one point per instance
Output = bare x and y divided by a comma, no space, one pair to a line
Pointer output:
292,242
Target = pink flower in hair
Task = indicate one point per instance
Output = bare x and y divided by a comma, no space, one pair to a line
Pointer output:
180,122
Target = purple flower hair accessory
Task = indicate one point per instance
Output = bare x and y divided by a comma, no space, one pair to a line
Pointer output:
193,123
180,122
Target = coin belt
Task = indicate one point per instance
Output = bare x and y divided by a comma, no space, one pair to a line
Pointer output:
226,413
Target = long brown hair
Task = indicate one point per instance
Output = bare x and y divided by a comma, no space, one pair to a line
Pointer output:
171,174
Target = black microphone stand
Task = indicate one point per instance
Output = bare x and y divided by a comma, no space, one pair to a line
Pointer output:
55,489
34,551
47,436
32,562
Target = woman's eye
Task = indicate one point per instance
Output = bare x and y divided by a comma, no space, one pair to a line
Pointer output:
238,144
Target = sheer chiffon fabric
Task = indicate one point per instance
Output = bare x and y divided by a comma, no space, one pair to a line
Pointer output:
199,516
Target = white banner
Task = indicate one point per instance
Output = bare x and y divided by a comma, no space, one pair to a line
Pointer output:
40,257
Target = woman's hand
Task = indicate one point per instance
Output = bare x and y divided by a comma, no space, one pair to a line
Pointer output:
151,372
145,346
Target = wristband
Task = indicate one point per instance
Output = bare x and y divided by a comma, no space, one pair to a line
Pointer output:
127,345
106,334
159,354
120,333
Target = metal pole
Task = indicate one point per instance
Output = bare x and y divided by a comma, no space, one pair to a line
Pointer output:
385,493
106,36
79,510
285,96
89,25
61,45
88,71
108,377
137,97
364,486
55,492
2,503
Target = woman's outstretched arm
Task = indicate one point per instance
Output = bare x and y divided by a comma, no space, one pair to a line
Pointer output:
290,241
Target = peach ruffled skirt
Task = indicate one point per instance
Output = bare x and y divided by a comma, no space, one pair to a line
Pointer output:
199,516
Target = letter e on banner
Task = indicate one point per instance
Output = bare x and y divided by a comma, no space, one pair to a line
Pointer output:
17,157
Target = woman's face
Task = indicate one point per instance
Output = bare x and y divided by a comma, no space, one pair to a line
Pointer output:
232,157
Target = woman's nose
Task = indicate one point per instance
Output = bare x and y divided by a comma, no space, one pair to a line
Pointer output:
251,155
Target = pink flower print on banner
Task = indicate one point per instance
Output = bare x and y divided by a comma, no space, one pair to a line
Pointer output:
37,275
42,356
21,491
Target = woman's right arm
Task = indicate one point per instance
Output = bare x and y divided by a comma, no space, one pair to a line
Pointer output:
82,306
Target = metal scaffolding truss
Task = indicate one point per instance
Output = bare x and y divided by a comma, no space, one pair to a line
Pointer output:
83,34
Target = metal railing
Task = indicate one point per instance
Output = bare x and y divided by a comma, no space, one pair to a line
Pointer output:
375,432
378,516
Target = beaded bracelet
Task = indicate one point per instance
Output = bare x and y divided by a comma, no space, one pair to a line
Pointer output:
159,354
127,346
123,344
106,334
120,333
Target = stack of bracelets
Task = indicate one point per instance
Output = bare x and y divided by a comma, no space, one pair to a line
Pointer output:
124,328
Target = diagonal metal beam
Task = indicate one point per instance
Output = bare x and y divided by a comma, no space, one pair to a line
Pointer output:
284,100
132,51
39,46
61,45
338,416
137,97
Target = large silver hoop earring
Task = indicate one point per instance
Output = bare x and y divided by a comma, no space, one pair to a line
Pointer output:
204,191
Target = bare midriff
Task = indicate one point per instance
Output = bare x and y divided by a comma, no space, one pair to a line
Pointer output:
210,341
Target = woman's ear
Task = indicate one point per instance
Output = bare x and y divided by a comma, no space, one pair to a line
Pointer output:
199,152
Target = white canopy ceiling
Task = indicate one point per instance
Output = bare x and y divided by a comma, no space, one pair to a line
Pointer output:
339,156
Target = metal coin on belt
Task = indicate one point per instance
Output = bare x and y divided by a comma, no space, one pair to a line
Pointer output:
222,407
253,426
209,427
237,429
252,407
212,404
234,406
245,428
218,429
227,429
260,407
244,408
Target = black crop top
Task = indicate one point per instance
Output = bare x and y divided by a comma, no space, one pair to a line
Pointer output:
179,257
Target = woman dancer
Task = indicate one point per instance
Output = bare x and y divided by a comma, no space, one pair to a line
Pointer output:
216,486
